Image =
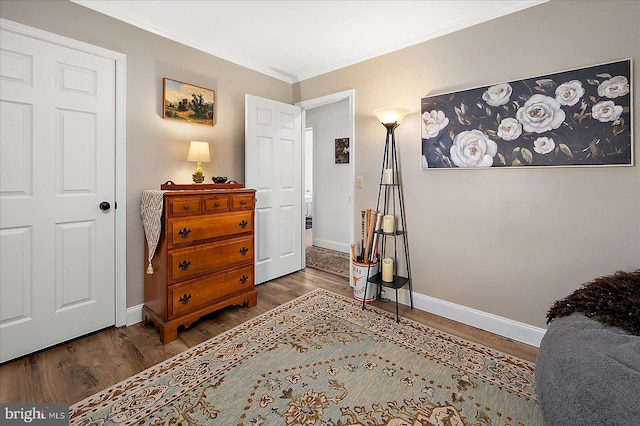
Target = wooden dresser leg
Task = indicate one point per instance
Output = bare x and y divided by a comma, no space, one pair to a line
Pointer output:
251,300
168,333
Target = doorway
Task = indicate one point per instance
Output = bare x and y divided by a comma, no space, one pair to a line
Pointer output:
309,135
328,175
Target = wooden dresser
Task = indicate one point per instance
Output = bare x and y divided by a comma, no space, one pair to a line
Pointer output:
204,260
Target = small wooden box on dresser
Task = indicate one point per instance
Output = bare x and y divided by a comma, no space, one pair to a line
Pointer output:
204,260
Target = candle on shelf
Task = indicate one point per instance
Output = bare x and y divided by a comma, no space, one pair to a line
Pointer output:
387,270
387,224
388,176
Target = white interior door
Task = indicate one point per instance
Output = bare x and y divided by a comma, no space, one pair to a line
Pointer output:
57,121
273,166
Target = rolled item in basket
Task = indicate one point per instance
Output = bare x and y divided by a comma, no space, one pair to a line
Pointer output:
362,213
376,228
369,230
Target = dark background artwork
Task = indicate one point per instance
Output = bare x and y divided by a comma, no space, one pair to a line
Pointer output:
580,117
342,151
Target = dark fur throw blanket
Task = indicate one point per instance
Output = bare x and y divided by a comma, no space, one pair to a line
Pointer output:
613,300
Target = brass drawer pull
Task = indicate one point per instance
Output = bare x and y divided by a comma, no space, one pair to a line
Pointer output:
184,265
184,232
243,279
243,251
185,299
243,224
243,202
217,204
186,207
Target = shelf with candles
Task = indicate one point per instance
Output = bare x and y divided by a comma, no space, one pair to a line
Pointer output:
390,208
396,282
394,232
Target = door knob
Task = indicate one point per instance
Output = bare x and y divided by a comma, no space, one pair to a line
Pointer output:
105,206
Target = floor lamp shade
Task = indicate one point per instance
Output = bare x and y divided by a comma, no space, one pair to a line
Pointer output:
390,115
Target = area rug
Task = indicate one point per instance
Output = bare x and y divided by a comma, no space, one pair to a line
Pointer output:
327,260
321,360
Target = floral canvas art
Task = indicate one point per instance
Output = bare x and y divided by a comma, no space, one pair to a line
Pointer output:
580,117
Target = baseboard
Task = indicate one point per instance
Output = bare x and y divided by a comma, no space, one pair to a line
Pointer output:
134,314
505,327
332,245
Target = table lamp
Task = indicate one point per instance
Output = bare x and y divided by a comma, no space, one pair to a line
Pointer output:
198,151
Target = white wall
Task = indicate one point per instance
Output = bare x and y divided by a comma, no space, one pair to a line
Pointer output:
507,242
157,148
331,181
515,266
308,160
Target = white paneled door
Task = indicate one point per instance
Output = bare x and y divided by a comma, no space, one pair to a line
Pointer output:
57,219
273,166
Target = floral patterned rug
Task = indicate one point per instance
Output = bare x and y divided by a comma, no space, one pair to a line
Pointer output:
327,260
321,360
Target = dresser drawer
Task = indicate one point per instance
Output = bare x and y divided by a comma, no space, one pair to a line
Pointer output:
216,203
192,262
194,229
194,293
183,206
242,201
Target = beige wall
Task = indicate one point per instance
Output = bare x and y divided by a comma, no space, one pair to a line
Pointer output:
508,242
157,148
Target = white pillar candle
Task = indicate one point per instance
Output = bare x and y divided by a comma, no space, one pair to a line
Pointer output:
388,176
387,224
387,270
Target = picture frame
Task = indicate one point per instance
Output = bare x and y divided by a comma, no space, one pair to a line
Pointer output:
188,103
581,117
342,151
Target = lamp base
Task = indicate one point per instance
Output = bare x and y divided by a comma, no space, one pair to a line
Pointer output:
198,177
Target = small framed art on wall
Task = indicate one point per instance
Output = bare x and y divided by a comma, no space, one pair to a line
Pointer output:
188,103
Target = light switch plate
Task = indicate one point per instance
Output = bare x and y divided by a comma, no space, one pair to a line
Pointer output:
359,182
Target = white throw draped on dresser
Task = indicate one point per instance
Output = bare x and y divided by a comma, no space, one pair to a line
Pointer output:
151,212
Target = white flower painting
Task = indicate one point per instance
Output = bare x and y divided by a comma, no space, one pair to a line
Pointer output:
569,93
580,117
432,123
473,148
540,114
509,129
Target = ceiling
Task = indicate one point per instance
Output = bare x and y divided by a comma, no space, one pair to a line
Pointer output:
297,40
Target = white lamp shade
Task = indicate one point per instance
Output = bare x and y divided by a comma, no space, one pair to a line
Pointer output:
390,115
199,151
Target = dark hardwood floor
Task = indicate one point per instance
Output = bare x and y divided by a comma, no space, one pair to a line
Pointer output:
73,371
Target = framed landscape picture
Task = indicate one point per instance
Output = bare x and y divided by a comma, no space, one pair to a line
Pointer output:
188,103
580,117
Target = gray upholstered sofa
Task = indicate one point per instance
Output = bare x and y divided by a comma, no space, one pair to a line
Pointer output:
588,365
